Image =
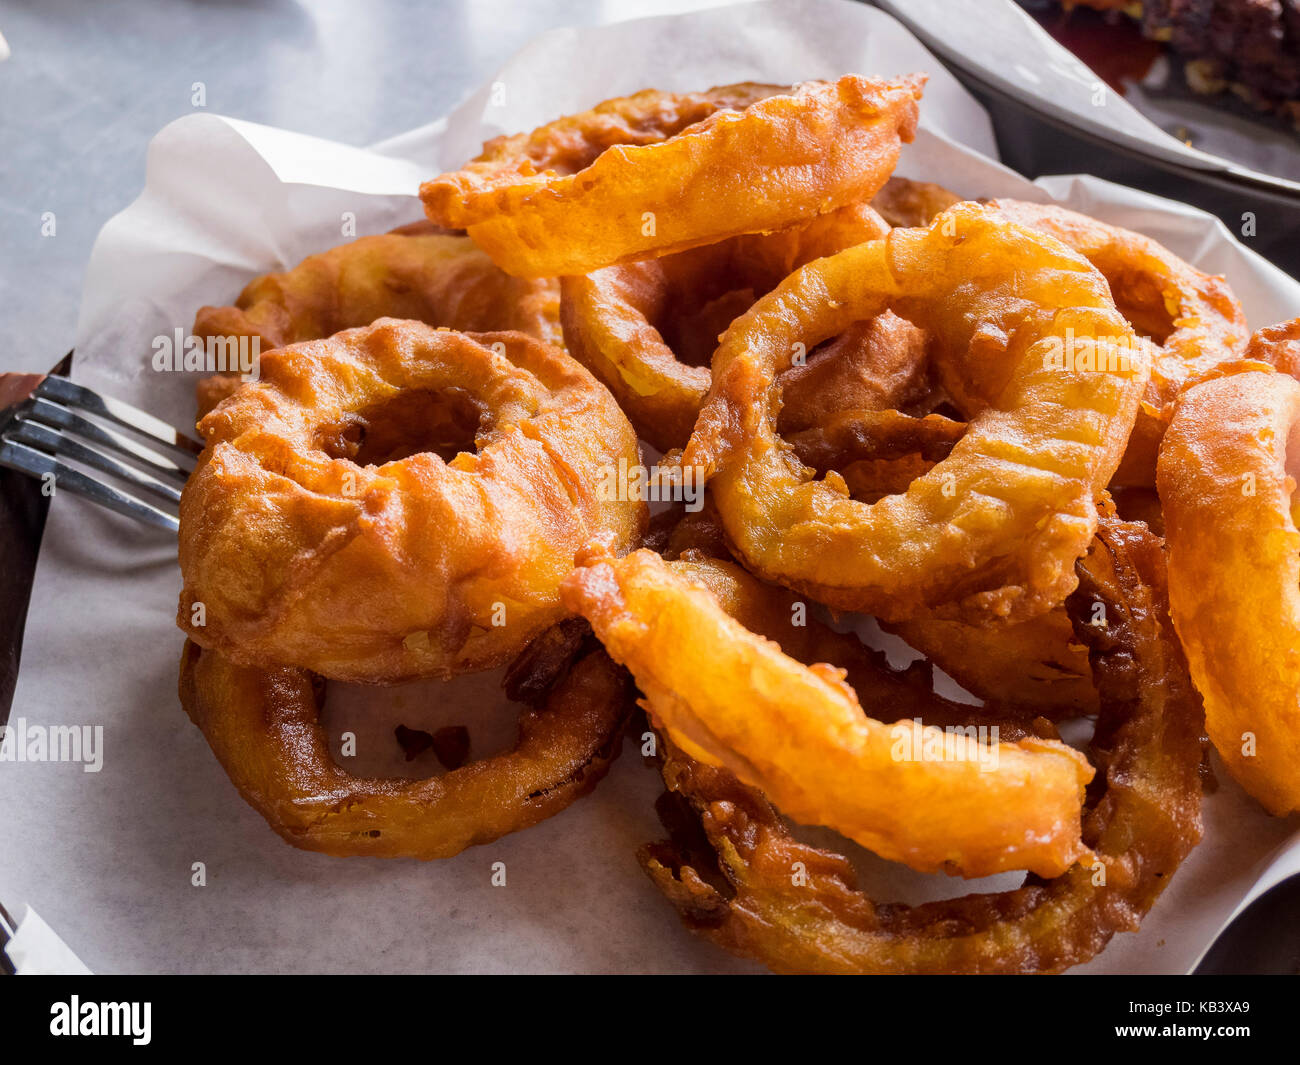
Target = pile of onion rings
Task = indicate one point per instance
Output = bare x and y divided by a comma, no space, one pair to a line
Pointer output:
648,329
737,889
975,421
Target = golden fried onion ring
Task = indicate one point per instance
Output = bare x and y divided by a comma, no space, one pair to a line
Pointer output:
908,204
735,886
438,278
1278,345
1035,665
879,366
317,529
654,173
264,728
1227,487
648,329
1020,325
734,699
1193,316
415,272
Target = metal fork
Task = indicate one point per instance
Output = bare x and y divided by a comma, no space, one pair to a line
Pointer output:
8,927
47,428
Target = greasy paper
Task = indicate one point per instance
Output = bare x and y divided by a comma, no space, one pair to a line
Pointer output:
154,863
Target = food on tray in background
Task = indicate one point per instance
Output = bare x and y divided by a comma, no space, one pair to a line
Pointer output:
1249,48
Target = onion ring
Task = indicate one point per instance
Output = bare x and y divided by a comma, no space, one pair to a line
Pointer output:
264,729
654,173
908,204
993,530
734,886
1035,666
880,365
885,693
1277,345
1227,488
415,272
1194,316
726,695
647,329
874,453
319,531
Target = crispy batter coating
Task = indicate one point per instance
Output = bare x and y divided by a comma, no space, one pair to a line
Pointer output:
730,878
648,329
417,273
264,728
732,698
908,204
1193,316
1227,486
885,693
323,529
1035,666
1278,345
654,173
1030,347
880,365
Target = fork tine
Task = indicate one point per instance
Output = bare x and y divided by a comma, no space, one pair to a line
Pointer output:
62,390
35,463
55,443
57,417
8,927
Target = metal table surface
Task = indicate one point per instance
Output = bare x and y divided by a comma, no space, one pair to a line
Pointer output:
88,84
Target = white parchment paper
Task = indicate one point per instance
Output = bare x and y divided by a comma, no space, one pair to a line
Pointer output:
37,950
114,858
